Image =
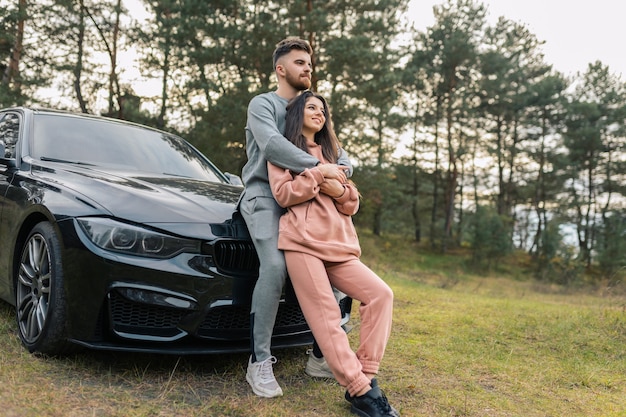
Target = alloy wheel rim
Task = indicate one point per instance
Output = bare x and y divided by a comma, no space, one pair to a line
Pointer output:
33,288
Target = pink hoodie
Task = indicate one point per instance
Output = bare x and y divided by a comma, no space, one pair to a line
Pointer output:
315,223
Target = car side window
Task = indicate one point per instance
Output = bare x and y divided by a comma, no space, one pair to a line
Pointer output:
9,133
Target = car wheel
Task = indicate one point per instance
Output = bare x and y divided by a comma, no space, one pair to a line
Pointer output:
40,298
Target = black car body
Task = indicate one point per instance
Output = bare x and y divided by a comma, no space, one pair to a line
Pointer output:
118,236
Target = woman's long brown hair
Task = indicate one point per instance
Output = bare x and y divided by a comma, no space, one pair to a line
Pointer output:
326,137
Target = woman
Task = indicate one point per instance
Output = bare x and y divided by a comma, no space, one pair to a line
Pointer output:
322,250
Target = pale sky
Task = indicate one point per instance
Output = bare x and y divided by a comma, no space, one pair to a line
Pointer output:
576,32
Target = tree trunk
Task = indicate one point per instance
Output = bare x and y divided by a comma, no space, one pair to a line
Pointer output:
78,67
12,71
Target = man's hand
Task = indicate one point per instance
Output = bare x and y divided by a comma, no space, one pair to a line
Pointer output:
332,188
333,171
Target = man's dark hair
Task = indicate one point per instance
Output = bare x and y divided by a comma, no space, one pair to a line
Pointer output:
287,45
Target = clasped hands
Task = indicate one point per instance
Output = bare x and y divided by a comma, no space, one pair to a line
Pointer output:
335,178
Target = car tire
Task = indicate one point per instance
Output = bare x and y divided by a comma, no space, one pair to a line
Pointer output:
41,307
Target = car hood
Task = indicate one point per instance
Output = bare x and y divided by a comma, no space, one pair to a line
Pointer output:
181,205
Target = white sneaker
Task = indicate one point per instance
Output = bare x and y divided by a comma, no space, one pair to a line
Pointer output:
317,367
260,376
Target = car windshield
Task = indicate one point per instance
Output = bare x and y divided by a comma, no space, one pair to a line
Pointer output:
106,143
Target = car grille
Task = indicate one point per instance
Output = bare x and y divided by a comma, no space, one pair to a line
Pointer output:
236,257
234,322
229,322
137,318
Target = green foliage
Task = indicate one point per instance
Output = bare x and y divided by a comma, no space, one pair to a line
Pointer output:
220,135
593,138
555,261
16,84
612,247
7,39
489,236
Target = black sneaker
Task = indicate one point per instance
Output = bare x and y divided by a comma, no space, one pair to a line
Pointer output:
374,384
372,404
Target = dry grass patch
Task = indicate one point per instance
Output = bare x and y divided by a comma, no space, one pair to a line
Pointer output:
462,345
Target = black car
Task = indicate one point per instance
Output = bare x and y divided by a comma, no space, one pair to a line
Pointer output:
118,236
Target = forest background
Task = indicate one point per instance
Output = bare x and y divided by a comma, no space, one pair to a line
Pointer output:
501,152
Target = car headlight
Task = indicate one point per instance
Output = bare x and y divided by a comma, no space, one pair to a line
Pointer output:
125,238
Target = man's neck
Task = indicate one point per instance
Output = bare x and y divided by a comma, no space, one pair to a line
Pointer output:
287,92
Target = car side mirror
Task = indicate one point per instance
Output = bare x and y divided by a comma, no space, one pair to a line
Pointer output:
8,162
233,179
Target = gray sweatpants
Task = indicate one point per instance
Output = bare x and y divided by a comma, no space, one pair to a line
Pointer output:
262,215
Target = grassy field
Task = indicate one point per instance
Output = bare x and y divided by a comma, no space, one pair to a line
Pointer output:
494,344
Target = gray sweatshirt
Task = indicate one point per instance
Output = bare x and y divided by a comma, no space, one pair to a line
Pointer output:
265,142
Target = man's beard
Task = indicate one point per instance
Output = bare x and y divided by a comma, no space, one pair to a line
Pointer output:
299,83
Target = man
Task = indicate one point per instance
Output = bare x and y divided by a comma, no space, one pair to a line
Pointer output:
265,142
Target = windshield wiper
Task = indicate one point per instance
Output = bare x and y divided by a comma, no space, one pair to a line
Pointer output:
63,161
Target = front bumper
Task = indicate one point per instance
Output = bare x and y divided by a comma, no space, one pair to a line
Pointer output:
194,303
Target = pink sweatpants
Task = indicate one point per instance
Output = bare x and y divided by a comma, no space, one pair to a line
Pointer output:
312,279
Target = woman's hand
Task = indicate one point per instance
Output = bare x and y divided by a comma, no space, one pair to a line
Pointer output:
332,188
